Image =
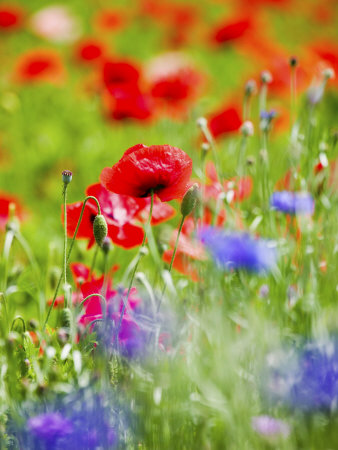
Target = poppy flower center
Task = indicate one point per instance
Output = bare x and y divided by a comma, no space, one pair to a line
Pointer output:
152,189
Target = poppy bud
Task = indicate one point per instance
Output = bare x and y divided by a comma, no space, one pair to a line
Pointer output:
189,200
66,318
100,229
67,176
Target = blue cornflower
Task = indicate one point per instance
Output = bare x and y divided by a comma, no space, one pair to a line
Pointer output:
234,250
50,427
317,382
292,202
308,379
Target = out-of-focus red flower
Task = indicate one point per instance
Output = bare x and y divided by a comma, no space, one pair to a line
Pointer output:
177,20
5,201
225,121
89,51
109,20
11,17
327,54
174,82
126,101
232,30
117,74
188,250
163,169
39,65
239,188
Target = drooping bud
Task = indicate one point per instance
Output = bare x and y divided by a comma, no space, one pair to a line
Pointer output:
266,77
189,200
100,229
247,128
13,223
67,176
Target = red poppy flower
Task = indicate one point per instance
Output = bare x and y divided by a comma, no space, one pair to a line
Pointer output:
89,51
39,65
116,74
5,201
232,30
119,211
126,101
109,20
225,121
163,169
327,53
11,17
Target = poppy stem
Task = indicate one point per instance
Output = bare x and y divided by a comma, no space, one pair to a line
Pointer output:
93,262
171,262
89,197
103,302
66,291
140,253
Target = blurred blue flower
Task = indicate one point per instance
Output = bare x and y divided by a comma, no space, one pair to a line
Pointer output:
292,202
234,250
308,379
50,427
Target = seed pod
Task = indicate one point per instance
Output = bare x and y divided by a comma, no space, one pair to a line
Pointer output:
189,200
100,229
67,176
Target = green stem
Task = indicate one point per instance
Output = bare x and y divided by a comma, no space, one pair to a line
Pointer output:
125,299
69,253
171,263
262,97
65,243
103,302
93,262
241,156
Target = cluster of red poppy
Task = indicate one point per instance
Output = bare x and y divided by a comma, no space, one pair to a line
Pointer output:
169,84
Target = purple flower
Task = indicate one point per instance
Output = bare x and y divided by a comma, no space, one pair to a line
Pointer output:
292,202
270,427
49,427
234,250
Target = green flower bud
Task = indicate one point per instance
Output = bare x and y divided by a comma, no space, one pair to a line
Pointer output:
67,176
100,229
189,200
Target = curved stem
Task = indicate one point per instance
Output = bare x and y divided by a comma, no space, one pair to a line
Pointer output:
125,299
104,302
171,262
69,253
22,320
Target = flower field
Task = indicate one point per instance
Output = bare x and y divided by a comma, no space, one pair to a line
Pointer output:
168,224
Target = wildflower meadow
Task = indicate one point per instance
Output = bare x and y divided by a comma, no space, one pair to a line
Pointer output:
168,224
